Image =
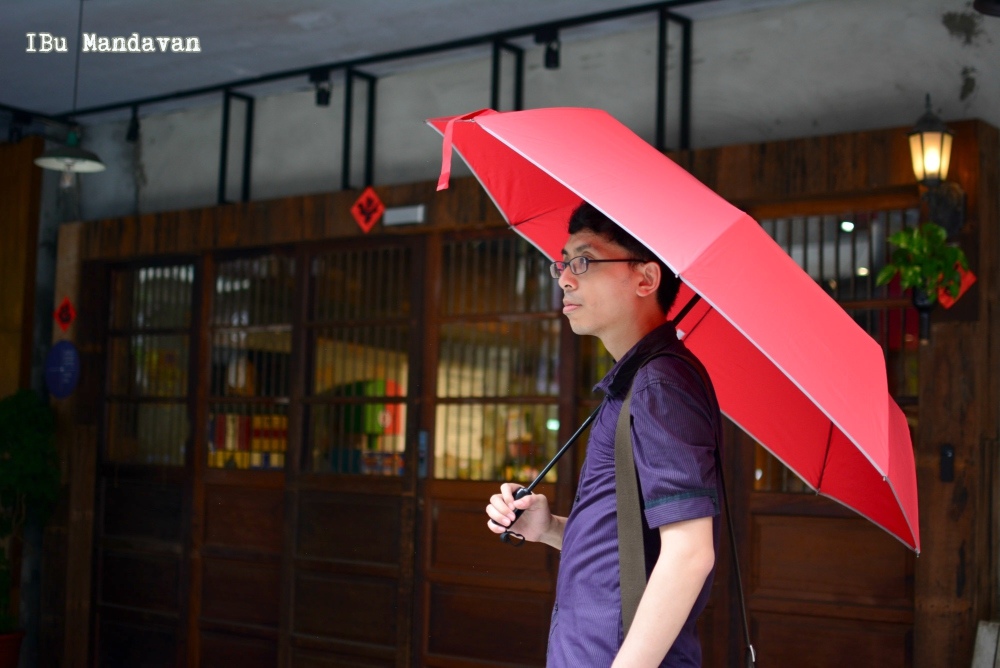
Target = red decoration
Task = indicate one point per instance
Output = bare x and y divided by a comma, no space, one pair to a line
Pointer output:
65,314
367,210
944,297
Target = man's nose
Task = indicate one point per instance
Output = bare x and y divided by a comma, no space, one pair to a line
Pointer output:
567,279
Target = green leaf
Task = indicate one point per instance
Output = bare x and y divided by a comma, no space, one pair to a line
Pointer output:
886,275
924,260
29,474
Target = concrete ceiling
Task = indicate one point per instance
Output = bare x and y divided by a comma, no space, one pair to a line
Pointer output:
245,39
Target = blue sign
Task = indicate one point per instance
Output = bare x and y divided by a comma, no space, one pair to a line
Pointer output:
62,369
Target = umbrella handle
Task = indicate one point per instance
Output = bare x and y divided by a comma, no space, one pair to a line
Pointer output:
520,494
516,539
508,536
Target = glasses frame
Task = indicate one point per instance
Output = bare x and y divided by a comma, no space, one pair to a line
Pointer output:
557,268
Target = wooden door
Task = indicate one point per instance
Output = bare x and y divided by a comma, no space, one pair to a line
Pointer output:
241,463
282,533
823,584
497,358
142,511
350,554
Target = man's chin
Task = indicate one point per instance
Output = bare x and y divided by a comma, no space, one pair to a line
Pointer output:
578,327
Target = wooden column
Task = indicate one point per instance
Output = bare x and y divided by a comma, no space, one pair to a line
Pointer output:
77,441
955,575
20,193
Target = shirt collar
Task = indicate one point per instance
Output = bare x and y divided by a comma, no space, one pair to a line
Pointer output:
617,380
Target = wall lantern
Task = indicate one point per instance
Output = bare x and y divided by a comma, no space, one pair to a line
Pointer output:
930,149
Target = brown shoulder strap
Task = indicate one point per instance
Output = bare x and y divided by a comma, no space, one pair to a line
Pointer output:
631,554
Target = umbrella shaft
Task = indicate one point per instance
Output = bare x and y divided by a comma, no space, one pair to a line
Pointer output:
562,451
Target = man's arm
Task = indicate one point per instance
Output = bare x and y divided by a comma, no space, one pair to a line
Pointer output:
536,524
687,555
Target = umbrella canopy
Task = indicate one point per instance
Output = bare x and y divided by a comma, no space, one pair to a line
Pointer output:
790,367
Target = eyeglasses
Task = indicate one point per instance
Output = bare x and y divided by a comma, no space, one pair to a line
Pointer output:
580,264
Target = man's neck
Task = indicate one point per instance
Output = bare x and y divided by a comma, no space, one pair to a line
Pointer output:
620,342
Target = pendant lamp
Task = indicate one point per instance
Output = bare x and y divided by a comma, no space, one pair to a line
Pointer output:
70,158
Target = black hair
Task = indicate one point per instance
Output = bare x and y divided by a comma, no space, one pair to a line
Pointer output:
587,217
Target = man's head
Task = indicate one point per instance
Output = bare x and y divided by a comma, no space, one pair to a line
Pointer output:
586,217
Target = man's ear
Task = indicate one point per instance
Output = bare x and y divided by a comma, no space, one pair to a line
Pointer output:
650,275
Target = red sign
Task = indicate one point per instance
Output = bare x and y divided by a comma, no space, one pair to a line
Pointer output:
367,210
65,314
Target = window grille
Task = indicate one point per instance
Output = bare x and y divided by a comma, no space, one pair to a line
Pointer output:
251,333
359,333
497,379
148,356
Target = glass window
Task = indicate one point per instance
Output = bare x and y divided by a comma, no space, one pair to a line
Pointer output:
498,362
359,334
148,364
251,332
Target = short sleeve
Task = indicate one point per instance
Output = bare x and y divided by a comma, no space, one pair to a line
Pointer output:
673,435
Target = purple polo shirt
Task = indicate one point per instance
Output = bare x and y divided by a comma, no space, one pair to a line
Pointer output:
673,434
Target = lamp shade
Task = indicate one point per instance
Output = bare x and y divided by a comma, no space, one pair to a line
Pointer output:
70,159
930,147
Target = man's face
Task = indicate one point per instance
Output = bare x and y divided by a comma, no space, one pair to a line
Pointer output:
602,299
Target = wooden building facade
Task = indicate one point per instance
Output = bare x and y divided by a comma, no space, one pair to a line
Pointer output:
286,431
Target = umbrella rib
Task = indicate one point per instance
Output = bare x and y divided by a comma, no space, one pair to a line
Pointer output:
687,308
532,218
826,458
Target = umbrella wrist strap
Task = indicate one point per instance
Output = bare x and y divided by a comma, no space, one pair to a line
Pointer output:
631,547
751,654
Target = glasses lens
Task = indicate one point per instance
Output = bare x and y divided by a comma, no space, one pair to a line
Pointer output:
578,265
556,269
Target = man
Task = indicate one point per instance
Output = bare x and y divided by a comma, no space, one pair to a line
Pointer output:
617,290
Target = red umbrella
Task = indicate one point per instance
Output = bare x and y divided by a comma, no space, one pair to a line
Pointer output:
790,367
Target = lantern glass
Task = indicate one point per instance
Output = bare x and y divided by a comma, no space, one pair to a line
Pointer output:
931,155
945,155
917,155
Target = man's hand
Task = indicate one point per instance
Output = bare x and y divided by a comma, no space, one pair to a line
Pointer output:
537,523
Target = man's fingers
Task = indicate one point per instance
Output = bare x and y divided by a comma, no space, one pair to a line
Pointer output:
507,490
500,509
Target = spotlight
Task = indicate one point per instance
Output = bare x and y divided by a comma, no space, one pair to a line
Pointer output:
552,56
550,38
321,79
132,134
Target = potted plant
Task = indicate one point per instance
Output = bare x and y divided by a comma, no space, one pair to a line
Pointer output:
29,479
927,264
